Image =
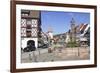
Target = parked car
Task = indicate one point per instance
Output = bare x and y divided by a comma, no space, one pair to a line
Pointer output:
42,45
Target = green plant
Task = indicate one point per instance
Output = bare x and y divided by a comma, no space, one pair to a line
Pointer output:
72,44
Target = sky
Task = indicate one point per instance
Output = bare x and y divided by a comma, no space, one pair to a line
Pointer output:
59,22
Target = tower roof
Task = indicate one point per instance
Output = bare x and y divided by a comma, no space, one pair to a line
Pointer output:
72,20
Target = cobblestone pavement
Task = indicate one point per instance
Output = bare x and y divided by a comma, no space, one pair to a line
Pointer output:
78,53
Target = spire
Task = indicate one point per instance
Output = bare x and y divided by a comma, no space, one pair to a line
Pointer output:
72,21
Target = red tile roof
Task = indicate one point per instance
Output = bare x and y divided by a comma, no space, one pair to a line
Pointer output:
83,27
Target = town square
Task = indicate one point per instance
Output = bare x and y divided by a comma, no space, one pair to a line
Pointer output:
48,36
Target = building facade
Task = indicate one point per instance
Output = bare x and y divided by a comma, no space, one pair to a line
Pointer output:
30,27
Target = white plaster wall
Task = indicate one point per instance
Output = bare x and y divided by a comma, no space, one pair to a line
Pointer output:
24,42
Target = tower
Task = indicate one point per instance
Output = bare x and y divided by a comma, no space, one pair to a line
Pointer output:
50,33
50,36
73,30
